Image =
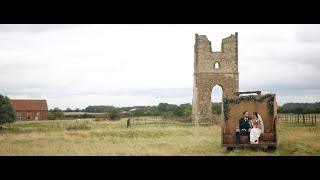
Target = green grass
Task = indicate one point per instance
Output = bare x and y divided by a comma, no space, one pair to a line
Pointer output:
113,138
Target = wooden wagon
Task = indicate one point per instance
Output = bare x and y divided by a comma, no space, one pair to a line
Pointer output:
232,111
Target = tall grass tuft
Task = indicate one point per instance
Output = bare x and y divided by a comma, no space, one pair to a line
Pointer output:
78,126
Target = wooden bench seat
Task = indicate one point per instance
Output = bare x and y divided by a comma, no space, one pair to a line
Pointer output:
264,138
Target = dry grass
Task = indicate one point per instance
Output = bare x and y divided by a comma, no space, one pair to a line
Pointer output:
109,138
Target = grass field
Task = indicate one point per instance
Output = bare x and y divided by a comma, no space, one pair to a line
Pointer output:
113,138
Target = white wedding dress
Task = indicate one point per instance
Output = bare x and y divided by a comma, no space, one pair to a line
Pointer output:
256,131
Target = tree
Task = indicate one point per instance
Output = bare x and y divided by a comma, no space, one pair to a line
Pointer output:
51,115
69,110
7,112
308,110
114,113
56,109
216,108
163,107
138,113
184,110
56,113
179,111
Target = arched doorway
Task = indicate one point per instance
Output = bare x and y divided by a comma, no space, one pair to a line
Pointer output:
216,102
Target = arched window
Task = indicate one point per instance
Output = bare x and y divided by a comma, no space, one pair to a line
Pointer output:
216,65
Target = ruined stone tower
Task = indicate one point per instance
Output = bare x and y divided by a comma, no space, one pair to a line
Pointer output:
210,69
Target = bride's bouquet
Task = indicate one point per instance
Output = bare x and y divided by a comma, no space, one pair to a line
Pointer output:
257,123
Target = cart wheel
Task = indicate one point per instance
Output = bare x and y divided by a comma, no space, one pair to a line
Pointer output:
230,148
272,147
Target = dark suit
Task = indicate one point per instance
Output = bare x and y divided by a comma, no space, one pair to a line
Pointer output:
243,124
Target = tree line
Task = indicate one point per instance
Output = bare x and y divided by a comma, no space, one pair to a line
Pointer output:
165,110
178,110
300,108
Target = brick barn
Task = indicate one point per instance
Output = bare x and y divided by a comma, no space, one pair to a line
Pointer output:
28,110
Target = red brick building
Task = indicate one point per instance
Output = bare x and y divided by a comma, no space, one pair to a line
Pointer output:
28,110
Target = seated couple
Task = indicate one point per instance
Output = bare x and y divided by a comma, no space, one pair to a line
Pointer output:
252,127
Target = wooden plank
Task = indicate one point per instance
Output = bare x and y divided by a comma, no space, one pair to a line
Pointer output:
248,92
247,145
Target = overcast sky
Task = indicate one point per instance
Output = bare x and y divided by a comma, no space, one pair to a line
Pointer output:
127,65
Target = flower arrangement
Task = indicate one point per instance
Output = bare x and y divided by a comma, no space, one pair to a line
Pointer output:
227,101
257,123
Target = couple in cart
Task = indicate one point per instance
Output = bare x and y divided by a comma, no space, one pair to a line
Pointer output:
251,125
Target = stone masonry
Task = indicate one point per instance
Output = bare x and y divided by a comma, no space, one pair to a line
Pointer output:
210,69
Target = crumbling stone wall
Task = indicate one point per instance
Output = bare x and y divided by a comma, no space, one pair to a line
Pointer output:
206,75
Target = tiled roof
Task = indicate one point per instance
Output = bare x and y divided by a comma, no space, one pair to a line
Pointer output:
31,105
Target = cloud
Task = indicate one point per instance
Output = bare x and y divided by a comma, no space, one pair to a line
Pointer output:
35,27
293,95
81,65
308,33
280,65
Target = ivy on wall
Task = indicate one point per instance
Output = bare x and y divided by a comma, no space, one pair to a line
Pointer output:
226,102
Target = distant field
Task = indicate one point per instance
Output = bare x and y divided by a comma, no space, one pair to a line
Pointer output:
78,113
113,138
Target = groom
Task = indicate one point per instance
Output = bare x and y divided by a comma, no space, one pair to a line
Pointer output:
244,127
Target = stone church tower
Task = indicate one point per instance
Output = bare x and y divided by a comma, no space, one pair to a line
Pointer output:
211,69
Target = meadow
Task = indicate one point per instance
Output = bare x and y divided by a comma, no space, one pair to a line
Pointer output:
112,138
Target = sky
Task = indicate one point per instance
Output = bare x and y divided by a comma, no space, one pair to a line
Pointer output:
77,65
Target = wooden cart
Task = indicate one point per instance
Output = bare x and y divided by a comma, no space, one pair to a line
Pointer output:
232,111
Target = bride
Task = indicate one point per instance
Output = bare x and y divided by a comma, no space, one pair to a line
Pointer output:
257,128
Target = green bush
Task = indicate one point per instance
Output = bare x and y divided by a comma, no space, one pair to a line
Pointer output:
7,112
114,113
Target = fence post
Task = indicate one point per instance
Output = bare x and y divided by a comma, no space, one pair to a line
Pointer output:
303,118
315,119
311,118
306,120
298,117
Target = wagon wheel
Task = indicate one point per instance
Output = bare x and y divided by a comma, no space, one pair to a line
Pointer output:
272,147
230,148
